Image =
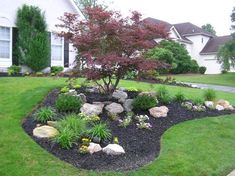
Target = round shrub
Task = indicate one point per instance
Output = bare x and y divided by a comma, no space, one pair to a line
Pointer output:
180,97
209,95
202,70
68,103
144,102
13,70
66,138
44,114
56,69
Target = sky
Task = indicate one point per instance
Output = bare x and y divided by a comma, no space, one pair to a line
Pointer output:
198,12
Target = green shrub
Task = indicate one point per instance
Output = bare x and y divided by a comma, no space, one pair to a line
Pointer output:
144,102
224,71
66,138
45,114
64,90
198,101
67,103
72,122
101,131
164,95
13,70
33,47
56,69
194,67
180,97
209,95
39,74
202,70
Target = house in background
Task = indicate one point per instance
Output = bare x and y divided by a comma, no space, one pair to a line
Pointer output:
201,45
62,53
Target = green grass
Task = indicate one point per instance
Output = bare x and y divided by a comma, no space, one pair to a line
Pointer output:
220,79
194,148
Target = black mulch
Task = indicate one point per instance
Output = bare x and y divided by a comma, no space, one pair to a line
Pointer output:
141,146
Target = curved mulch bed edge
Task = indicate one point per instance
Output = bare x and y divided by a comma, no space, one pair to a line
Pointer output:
141,146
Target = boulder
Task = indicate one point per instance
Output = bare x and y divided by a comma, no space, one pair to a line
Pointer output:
118,94
92,109
151,94
209,104
72,92
52,123
113,149
223,103
93,148
128,105
114,108
219,107
159,111
45,132
82,97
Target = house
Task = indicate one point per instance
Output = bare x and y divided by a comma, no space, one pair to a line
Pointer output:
201,45
62,53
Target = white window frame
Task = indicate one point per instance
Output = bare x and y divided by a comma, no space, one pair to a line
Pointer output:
10,45
57,62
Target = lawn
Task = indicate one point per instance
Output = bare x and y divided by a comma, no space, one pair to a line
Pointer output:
198,147
220,79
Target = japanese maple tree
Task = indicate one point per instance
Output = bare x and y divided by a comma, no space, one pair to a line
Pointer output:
111,45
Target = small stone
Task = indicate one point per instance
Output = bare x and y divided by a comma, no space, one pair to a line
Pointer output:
230,108
93,148
82,97
118,94
52,123
72,92
45,132
209,104
92,109
219,107
151,94
113,149
159,111
114,108
96,139
128,105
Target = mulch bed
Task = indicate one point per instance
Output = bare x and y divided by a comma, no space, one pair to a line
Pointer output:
141,146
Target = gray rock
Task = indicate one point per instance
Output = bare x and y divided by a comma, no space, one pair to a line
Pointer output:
151,94
219,107
128,105
45,132
92,90
72,92
113,149
118,94
114,108
92,109
209,104
93,148
82,97
159,111
230,108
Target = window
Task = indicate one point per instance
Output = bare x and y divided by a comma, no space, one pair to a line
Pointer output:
56,48
5,41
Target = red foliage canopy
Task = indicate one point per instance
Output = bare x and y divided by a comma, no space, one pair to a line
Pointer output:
112,45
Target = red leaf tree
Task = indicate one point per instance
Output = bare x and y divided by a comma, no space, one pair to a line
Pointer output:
111,45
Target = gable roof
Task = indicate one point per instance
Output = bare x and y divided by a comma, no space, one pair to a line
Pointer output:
156,21
187,29
214,44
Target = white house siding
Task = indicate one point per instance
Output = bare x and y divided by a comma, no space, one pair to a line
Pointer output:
210,62
199,42
53,10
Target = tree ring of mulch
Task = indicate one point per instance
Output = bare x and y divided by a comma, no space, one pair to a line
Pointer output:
141,146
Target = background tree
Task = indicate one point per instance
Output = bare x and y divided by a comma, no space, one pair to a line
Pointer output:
112,45
209,28
226,54
176,55
33,41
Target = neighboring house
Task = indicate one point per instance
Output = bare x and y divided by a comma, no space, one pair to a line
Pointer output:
62,53
201,45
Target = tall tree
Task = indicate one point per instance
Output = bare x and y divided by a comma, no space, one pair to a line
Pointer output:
226,54
33,41
112,45
209,28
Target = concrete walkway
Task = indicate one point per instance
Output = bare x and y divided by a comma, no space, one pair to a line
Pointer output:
215,87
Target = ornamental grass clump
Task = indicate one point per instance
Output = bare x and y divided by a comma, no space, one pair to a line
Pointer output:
209,95
180,97
44,114
144,102
100,131
164,95
67,103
